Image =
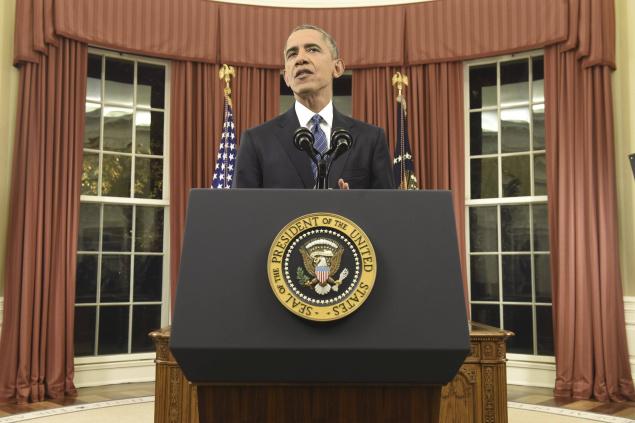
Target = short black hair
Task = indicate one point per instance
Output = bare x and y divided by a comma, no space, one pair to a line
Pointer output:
325,35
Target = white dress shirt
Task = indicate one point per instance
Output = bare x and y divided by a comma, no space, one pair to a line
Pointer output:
305,115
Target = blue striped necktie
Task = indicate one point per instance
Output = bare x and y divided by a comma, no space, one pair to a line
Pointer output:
319,136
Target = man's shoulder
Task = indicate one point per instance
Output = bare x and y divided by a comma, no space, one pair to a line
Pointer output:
357,125
270,125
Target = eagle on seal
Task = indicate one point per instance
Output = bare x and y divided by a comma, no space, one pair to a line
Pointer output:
321,265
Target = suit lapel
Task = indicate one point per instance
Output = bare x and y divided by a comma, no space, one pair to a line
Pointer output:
340,121
300,160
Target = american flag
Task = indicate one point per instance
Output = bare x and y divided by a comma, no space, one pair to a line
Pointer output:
226,158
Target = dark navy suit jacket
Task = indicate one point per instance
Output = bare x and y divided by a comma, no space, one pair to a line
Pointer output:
267,157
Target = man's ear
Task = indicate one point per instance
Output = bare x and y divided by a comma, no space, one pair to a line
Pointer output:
339,68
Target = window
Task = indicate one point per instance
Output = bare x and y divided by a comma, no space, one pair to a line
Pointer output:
507,232
342,91
121,291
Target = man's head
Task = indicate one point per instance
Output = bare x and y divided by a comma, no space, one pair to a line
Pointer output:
311,61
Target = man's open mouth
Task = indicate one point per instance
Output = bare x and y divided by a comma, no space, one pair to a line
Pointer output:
303,73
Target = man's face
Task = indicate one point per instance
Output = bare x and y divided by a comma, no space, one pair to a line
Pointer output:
309,64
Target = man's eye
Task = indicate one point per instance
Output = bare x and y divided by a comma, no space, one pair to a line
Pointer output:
312,49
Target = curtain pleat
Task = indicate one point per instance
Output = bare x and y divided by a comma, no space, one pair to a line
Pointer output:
196,121
213,32
181,30
366,36
588,308
435,126
37,336
453,30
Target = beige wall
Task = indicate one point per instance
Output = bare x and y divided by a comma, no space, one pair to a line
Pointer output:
624,105
8,107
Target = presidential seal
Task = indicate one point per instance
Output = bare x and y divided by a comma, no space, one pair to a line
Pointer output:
322,266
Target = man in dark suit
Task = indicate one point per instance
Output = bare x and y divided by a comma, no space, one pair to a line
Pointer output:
267,157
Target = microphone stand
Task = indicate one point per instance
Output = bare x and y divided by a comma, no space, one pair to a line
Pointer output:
322,172
341,141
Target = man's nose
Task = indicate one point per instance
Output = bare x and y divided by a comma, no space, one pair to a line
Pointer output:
301,58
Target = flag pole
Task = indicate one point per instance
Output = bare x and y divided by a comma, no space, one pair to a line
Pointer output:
224,170
402,164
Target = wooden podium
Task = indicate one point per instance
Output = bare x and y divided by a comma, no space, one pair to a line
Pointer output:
255,361
477,394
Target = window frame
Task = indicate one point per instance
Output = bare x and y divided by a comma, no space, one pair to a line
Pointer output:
163,203
500,201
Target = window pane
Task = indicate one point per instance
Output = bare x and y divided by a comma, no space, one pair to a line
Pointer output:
483,133
515,130
538,111
541,227
514,82
149,132
90,173
538,72
516,176
88,232
540,175
286,102
86,279
544,330
518,320
482,86
149,229
515,228
148,178
486,313
119,81
484,278
113,330
150,85
543,278
483,229
343,104
92,125
84,331
517,278
115,278
118,129
117,234
115,180
148,278
145,319
484,178
93,84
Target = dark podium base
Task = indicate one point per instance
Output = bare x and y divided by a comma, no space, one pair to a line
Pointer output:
332,404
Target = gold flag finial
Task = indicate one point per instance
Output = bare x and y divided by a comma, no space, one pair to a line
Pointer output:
399,80
227,73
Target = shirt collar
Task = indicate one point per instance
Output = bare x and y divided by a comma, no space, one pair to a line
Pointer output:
305,114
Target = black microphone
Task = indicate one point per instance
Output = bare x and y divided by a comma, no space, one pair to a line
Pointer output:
303,140
341,142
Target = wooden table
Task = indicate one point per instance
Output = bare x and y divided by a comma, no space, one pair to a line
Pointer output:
477,394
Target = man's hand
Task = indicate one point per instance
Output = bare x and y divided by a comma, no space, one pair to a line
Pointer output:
342,184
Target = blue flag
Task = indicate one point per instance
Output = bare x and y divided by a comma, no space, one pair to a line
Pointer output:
226,158
403,165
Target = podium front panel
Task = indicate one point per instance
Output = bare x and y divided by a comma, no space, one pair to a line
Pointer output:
230,328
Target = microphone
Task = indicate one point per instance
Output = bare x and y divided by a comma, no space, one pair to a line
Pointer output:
341,142
303,140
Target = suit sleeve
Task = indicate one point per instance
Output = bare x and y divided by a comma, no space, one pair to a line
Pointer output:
248,170
382,175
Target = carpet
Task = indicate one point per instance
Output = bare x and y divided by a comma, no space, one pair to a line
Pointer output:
141,410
